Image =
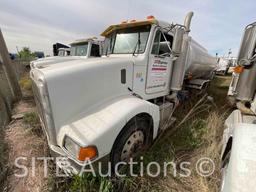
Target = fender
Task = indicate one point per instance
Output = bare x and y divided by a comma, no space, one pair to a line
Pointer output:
101,127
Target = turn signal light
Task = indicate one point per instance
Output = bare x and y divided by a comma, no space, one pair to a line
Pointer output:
87,153
238,69
150,17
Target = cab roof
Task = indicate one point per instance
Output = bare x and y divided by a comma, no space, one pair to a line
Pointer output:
81,41
126,24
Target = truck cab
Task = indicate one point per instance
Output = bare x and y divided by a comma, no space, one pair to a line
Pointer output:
90,47
115,106
83,48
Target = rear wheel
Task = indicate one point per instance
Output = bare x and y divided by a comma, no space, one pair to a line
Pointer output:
135,137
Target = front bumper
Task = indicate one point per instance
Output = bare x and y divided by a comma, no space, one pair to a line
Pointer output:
70,165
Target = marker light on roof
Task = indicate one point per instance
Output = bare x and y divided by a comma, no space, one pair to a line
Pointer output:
132,21
123,22
150,17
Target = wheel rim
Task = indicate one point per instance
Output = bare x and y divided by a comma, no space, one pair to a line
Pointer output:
132,145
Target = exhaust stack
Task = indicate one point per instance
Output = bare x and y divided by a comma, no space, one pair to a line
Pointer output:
187,21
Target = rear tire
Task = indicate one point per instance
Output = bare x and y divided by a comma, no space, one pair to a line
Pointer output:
135,137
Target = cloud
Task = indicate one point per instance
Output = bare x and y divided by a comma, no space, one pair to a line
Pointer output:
217,25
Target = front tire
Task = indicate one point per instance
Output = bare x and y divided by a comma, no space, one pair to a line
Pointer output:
135,137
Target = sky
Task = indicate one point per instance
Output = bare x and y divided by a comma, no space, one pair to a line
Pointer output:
217,25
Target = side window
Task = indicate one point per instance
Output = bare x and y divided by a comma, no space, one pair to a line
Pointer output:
160,46
155,48
95,50
108,44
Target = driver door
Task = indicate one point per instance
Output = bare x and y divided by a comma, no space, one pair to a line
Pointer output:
159,64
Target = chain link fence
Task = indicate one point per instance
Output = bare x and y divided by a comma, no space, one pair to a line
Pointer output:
20,67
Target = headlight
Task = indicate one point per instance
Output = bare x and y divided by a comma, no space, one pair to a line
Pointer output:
80,153
71,146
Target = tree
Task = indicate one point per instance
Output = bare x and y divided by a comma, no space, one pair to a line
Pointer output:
26,54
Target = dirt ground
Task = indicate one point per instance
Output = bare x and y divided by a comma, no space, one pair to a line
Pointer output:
22,142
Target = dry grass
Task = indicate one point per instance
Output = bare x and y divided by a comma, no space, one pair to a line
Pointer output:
26,85
32,122
25,143
193,141
3,159
209,148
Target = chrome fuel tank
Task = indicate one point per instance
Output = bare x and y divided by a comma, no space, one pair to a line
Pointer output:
246,84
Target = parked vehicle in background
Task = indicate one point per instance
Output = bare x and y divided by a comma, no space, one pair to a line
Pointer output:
83,48
39,54
223,66
90,47
58,46
113,107
239,139
13,56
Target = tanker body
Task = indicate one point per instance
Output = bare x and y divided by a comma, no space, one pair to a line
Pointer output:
200,63
116,105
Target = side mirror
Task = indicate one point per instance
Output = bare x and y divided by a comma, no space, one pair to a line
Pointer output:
177,40
244,62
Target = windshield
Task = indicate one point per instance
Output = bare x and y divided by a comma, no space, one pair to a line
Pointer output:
129,40
79,50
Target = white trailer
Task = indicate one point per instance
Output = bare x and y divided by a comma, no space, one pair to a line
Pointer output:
114,106
239,138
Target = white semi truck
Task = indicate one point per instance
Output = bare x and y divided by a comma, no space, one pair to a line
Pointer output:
112,107
223,65
82,48
239,138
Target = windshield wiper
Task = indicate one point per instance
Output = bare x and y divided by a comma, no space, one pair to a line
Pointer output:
137,44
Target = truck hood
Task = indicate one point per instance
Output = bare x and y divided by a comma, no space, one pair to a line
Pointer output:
77,86
48,61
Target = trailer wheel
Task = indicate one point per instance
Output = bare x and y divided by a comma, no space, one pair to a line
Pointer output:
135,137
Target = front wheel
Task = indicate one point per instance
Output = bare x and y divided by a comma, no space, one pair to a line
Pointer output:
135,137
